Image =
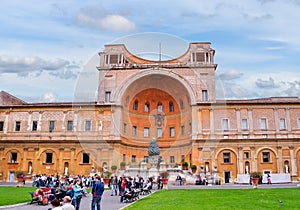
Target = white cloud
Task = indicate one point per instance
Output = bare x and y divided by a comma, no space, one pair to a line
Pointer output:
230,75
95,19
49,97
267,83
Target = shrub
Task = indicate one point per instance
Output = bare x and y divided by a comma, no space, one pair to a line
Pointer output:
113,167
255,174
194,167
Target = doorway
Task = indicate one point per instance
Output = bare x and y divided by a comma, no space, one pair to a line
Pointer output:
11,176
227,176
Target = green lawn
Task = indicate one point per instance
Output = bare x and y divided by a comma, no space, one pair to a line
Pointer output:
221,199
13,195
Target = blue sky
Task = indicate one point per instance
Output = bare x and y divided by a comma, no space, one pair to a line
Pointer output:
45,45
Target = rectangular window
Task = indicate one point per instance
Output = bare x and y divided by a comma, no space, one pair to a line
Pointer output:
172,132
107,96
226,157
225,124
244,124
282,125
266,157
146,159
182,158
200,57
159,132
182,130
147,107
134,130
1,125
133,158
172,159
49,157
124,158
18,126
181,104
87,125
246,155
34,125
204,95
85,158
124,128
298,123
263,124
159,108
146,132
51,126
113,59
70,125
13,157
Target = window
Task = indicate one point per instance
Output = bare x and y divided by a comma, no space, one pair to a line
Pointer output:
146,159
134,130
135,105
282,125
113,59
263,124
51,126
172,132
13,157
49,157
245,136
182,158
200,57
146,132
244,124
124,158
70,125
133,158
147,107
1,125
266,157
159,107
298,123
87,125
226,137
18,126
264,136
225,124
159,132
182,130
226,157
172,159
181,104
107,96
34,125
171,107
246,155
85,158
204,95
124,128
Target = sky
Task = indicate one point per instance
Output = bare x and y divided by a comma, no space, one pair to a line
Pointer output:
46,45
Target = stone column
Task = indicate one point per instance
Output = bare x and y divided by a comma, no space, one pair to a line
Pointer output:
279,160
276,119
29,120
6,122
199,121
194,122
24,162
293,161
288,119
39,121
64,120
211,121
60,165
72,165
35,161
2,163
253,160
213,161
240,162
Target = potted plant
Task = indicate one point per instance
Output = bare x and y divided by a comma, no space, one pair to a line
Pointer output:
113,168
20,177
194,168
255,176
122,165
184,165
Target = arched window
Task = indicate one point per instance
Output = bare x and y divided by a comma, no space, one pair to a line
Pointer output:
159,107
147,107
171,107
135,105
181,104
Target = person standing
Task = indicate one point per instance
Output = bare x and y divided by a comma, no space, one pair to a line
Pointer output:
77,194
97,191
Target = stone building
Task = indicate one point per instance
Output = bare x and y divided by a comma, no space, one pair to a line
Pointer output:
173,101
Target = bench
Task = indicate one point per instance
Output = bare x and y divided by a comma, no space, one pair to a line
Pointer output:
34,199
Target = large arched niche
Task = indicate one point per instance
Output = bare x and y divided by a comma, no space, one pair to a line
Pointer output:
154,87
159,78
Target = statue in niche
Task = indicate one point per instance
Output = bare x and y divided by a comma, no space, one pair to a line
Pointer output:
247,169
286,169
29,169
66,170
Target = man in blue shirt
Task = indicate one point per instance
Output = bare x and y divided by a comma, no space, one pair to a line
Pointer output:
97,191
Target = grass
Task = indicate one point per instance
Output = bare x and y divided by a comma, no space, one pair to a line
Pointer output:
221,199
14,195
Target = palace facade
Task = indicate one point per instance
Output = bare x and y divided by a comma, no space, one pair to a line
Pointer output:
173,101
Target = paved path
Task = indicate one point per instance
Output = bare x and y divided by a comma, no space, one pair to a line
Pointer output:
113,202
